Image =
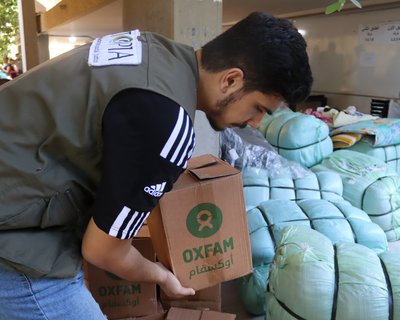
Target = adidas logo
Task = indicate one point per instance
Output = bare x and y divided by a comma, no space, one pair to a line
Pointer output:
155,190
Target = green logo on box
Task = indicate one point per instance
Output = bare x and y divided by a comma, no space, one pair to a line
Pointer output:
204,220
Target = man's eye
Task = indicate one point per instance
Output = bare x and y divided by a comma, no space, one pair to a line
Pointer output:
260,109
263,110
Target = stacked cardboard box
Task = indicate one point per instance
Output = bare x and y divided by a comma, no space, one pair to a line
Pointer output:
204,299
119,298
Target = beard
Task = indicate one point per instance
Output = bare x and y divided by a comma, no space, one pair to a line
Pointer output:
220,108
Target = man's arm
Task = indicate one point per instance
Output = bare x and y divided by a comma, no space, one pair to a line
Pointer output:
121,258
137,127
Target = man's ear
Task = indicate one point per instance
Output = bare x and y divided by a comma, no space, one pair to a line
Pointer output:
231,80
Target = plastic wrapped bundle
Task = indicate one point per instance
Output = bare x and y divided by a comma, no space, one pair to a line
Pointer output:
314,280
339,221
297,136
370,185
247,147
259,187
389,154
253,288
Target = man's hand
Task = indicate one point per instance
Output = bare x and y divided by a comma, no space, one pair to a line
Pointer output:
172,287
121,258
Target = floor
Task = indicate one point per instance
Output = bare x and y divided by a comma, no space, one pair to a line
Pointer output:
231,302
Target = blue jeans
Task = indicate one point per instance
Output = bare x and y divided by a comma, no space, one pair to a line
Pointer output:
26,298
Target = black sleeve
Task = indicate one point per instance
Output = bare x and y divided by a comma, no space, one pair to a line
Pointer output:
147,140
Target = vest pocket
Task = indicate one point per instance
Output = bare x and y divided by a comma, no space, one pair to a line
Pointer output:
26,217
65,208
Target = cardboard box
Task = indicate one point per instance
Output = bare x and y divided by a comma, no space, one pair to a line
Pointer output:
119,298
160,315
190,314
205,299
157,316
144,231
199,229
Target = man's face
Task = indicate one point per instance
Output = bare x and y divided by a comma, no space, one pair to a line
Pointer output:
239,109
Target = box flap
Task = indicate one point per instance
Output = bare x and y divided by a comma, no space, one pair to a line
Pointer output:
212,315
186,314
209,167
183,314
201,161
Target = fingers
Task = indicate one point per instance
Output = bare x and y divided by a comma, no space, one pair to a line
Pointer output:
172,286
183,292
175,288
188,291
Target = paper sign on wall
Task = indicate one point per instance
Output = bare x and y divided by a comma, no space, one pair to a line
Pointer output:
380,33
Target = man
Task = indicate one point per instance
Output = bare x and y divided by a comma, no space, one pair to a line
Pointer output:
93,138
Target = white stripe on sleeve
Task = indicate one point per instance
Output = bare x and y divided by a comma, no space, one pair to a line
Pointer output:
185,152
138,224
178,148
173,136
119,221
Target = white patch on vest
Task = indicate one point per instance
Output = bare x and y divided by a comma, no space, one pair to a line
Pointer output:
116,49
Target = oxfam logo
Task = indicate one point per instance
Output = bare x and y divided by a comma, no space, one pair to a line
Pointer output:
122,39
204,220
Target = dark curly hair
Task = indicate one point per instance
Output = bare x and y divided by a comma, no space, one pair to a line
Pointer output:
271,53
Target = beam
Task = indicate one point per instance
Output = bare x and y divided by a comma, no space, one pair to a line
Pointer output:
67,10
27,29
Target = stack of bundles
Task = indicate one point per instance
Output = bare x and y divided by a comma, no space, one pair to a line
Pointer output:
298,137
259,186
317,202
389,154
312,279
370,185
379,138
338,220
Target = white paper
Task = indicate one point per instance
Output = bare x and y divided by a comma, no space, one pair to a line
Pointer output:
116,49
380,33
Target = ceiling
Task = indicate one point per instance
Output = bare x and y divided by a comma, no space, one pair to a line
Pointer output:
234,10
99,22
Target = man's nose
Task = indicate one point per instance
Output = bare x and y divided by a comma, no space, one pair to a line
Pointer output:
255,121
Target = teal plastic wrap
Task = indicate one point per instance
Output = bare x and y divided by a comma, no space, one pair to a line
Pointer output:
258,186
261,243
314,280
389,154
267,119
253,289
390,262
298,137
302,275
368,184
339,221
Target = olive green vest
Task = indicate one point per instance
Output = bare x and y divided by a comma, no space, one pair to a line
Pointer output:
51,146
